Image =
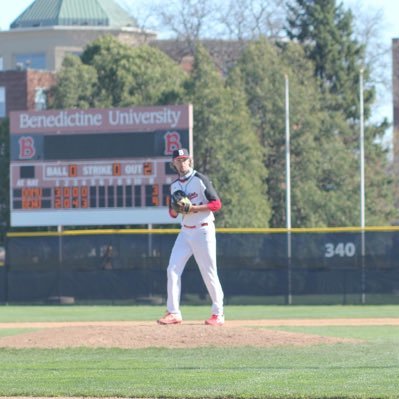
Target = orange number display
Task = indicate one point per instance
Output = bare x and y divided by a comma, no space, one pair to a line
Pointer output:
31,198
155,195
147,168
73,170
116,169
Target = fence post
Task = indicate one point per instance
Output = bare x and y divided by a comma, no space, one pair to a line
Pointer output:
363,270
6,270
60,260
289,268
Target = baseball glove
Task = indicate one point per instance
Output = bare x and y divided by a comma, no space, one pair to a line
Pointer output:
180,202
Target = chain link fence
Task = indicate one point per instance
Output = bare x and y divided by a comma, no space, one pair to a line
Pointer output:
129,266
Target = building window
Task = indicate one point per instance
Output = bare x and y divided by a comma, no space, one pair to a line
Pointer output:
40,99
1,63
2,102
31,61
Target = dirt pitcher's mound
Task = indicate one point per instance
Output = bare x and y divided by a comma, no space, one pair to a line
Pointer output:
152,335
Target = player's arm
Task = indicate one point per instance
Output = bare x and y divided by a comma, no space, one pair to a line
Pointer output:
214,202
213,206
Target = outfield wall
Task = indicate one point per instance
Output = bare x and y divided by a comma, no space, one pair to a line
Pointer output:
255,266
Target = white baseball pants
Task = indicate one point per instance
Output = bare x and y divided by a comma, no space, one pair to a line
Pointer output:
200,242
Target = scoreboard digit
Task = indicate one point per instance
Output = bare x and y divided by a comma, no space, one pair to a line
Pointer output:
95,167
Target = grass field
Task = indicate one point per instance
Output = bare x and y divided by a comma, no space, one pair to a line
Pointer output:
367,368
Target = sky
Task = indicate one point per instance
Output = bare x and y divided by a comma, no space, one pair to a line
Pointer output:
11,9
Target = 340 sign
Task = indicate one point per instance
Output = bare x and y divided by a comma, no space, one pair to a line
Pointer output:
340,249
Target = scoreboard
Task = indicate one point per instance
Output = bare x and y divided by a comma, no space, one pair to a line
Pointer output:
96,166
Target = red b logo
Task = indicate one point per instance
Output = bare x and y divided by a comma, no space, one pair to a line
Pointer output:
26,148
172,142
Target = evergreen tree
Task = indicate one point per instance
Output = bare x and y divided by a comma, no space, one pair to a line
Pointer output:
239,131
325,30
321,181
226,146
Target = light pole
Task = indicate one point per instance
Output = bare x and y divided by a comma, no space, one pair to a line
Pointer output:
287,153
362,189
288,187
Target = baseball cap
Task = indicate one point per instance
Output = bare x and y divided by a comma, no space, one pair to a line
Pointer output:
180,153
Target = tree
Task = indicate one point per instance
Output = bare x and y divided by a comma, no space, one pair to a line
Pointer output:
75,85
321,181
187,19
226,146
193,20
379,179
368,29
115,74
239,129
325,30
251,19
132,75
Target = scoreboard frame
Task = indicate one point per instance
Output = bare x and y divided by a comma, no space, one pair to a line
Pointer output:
95,167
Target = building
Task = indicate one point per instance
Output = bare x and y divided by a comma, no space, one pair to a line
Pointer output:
24,89
34,48
38,40
224,53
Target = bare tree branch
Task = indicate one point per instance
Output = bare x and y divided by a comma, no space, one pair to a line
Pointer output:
249,19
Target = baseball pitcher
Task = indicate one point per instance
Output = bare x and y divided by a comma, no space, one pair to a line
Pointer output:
193,197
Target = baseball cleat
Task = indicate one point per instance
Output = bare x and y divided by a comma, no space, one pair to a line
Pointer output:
215,320
170,318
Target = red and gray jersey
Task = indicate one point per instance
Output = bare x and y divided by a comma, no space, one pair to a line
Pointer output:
199,190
